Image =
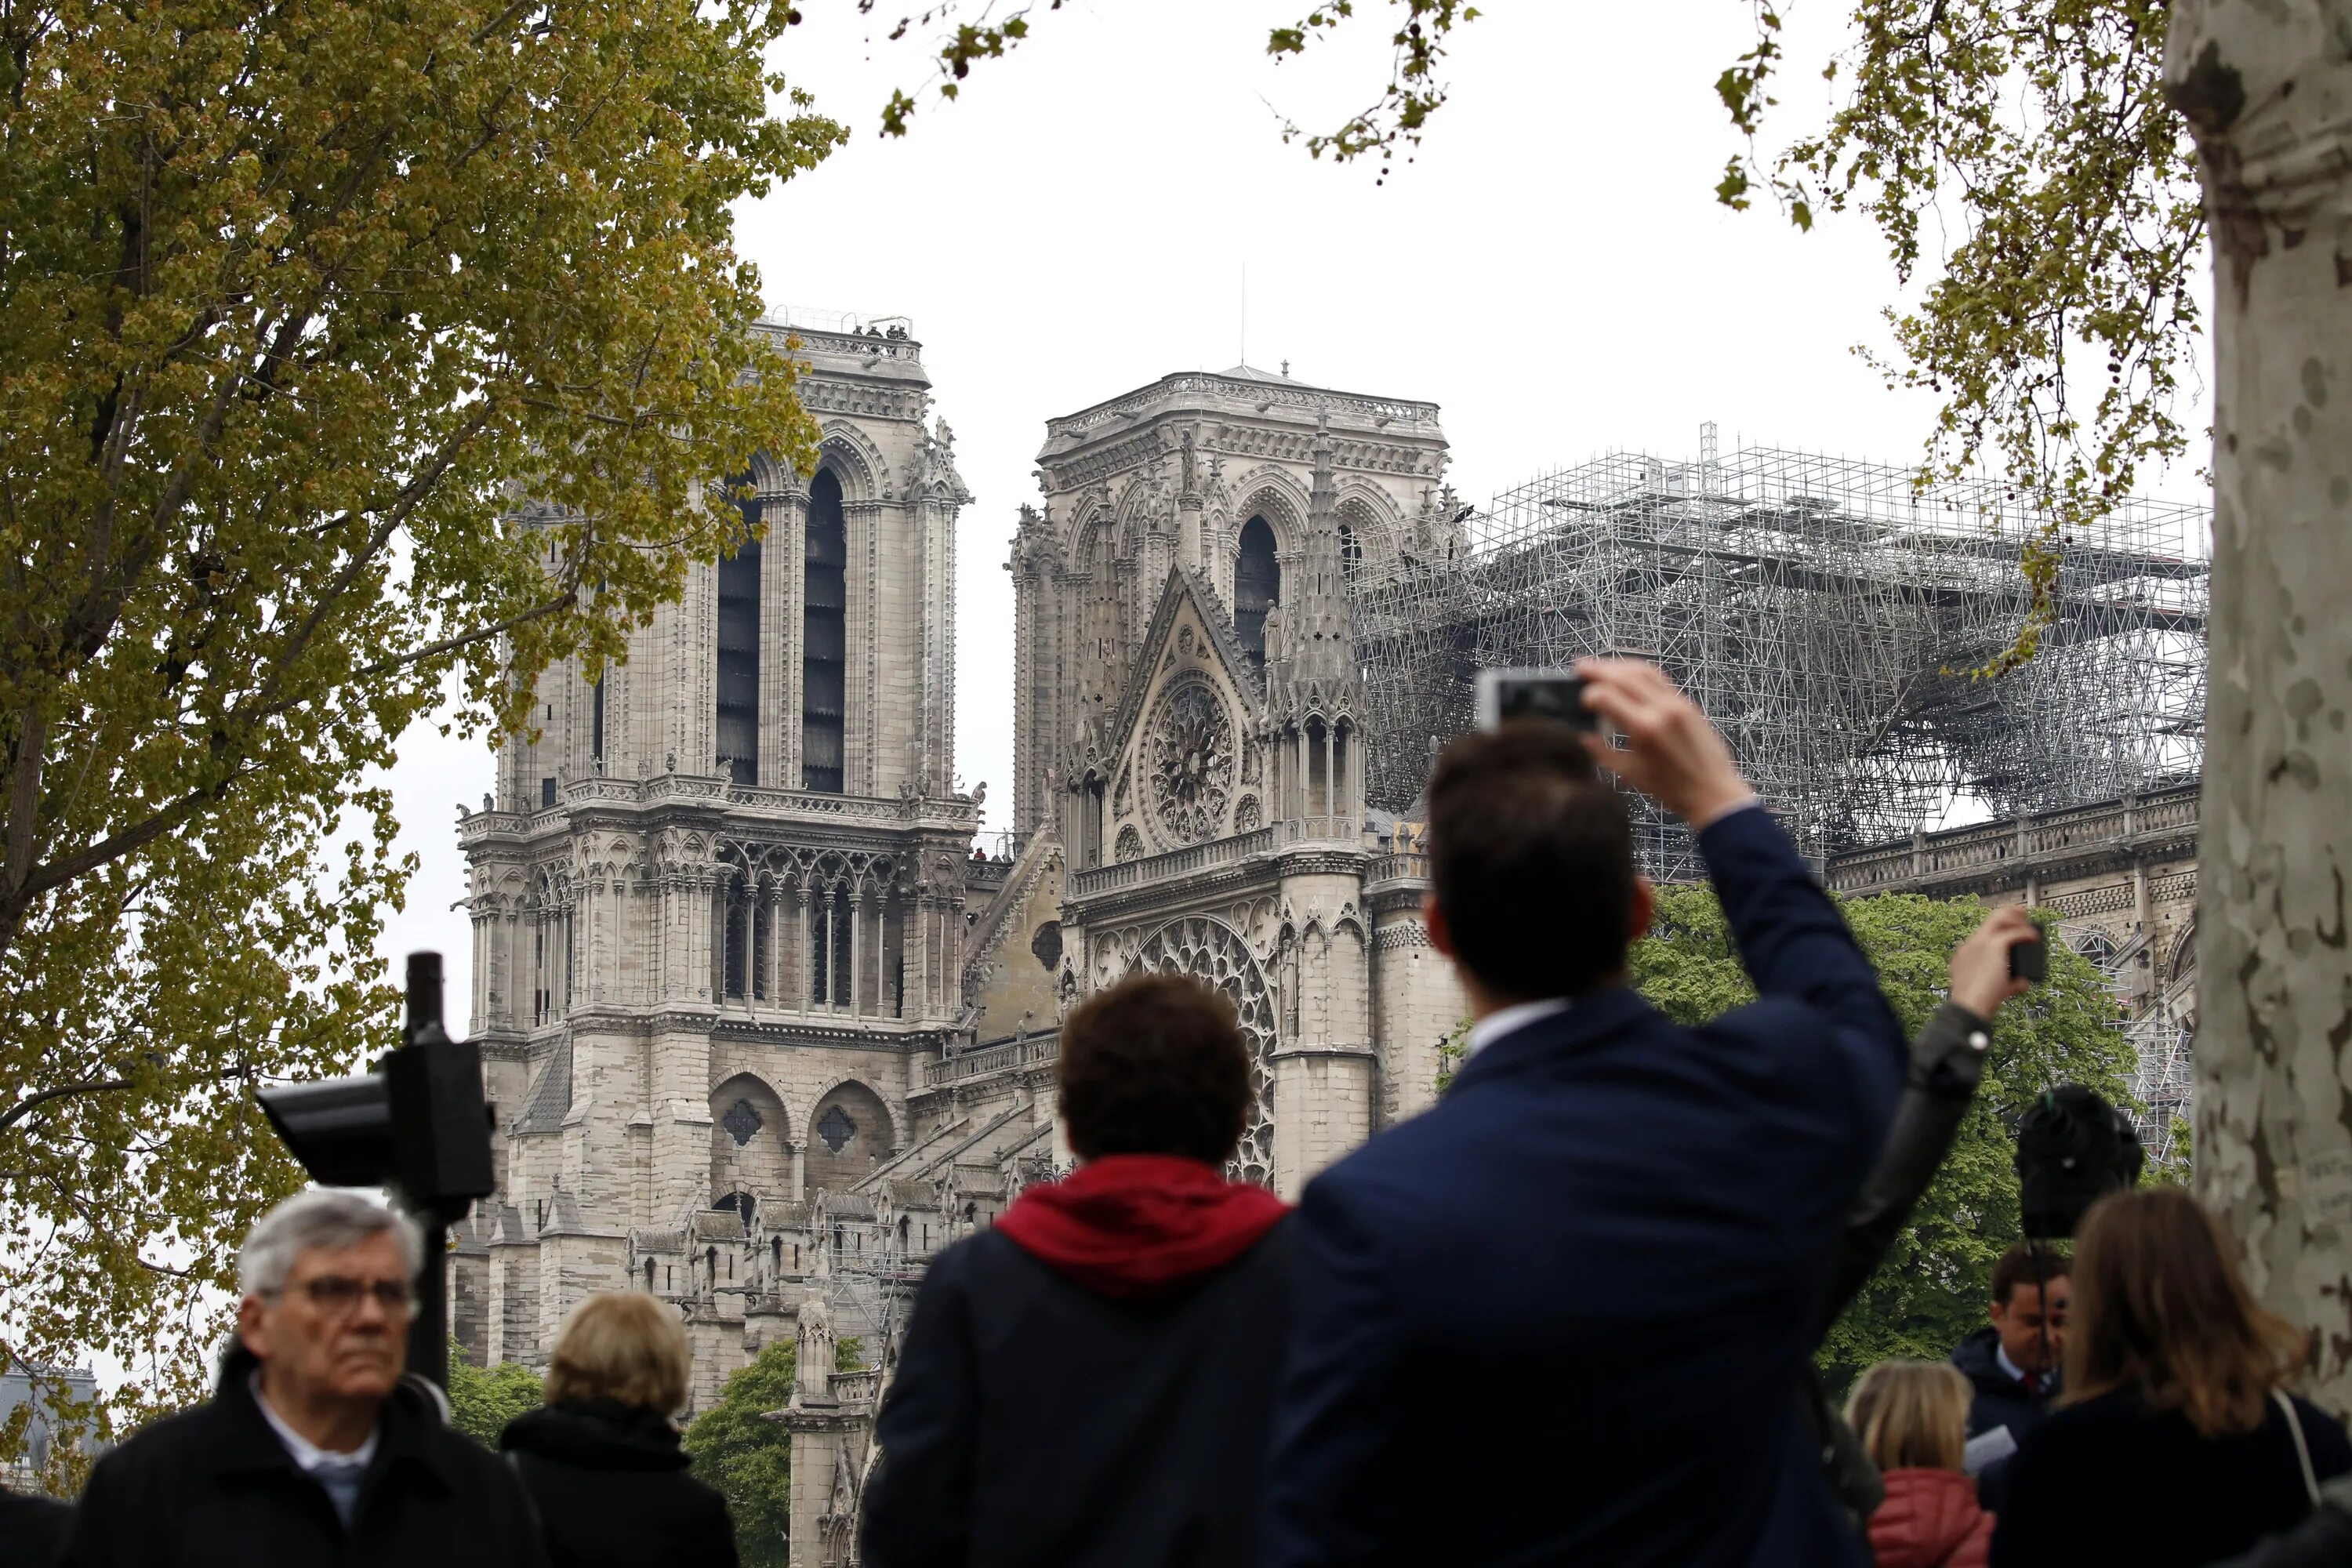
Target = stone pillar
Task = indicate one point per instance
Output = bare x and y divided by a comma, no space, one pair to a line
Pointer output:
1323,1099
803,992
856,946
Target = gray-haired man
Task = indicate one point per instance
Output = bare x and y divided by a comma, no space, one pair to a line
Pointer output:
313,1448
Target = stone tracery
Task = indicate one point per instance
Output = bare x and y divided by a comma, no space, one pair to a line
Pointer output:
1192,760
1213,954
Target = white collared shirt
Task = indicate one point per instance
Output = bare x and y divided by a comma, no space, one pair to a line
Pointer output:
308,1456
2015,1372
1507,1020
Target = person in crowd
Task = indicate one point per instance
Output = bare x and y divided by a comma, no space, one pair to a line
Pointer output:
602,1458
2178,1443
314,1448
1947,1067
1911,1417
32,1529
2015,1362
1087,1383
1612,1227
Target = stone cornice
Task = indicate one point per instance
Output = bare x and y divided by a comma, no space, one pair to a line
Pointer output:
1296,1053
1207,393
1205,890
679,799
2114,836
1322,861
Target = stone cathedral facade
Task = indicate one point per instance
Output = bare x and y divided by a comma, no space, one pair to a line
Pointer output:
720,900
1190,729
764,1031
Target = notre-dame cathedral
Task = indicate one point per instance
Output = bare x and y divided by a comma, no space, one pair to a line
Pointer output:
764,1031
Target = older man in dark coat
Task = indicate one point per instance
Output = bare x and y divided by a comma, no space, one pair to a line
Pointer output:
313,1449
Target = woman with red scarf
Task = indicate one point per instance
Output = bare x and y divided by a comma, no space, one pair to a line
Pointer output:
1089,1382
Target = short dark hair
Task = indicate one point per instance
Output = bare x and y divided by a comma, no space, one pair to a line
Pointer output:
1154,1065
1532,859
2025,1263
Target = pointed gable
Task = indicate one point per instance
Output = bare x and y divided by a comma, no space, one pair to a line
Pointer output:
1186,769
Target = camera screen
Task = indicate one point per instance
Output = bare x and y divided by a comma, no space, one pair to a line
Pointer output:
1533,694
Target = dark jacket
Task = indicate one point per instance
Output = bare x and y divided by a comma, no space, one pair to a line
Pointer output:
611,1486
2322,1540
32,1530
1997,1400
2109,1481
213,1486
1616,1232
1947,1067
1033,1420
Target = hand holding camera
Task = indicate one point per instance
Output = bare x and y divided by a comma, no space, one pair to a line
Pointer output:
1672,753
2000,960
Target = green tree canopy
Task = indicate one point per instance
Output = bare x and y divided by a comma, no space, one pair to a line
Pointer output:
297,298
1933,1288
482,1401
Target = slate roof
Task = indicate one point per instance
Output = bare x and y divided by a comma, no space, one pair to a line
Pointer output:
550,1096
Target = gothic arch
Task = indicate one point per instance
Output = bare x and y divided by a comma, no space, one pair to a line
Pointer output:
774,480
750,1139
1275,494
850,1129
855,460
1219,956
2182,959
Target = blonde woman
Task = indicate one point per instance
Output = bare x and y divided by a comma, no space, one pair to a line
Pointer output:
2178,1443
1912,1418
602,1458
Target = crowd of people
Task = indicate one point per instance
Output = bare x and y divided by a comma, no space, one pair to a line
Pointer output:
1567,1315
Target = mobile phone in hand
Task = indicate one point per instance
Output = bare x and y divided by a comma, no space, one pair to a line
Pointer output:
1554,694
2029,961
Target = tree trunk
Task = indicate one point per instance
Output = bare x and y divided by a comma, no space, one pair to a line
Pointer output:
2268,89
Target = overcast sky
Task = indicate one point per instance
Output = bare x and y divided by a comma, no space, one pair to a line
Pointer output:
1553,269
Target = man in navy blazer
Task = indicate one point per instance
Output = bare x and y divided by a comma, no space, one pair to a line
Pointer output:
1561,1316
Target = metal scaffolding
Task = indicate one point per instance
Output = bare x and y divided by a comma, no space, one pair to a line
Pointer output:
1825,613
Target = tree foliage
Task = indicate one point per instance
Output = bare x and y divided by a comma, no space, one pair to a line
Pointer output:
1933,1287
748,1459
295,299
2058,328
482,1401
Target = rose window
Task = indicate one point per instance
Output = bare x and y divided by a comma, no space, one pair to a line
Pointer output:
1192,761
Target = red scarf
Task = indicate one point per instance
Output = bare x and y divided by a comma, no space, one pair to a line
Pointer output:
1134,1225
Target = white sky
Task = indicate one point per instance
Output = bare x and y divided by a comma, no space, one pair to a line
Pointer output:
1553,271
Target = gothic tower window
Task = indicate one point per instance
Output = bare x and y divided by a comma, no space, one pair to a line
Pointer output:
738,943
1351,552
1257,583
1318,770
739,657
596,729
762,934
825,637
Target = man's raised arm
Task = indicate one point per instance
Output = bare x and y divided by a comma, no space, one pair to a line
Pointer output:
1792,938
